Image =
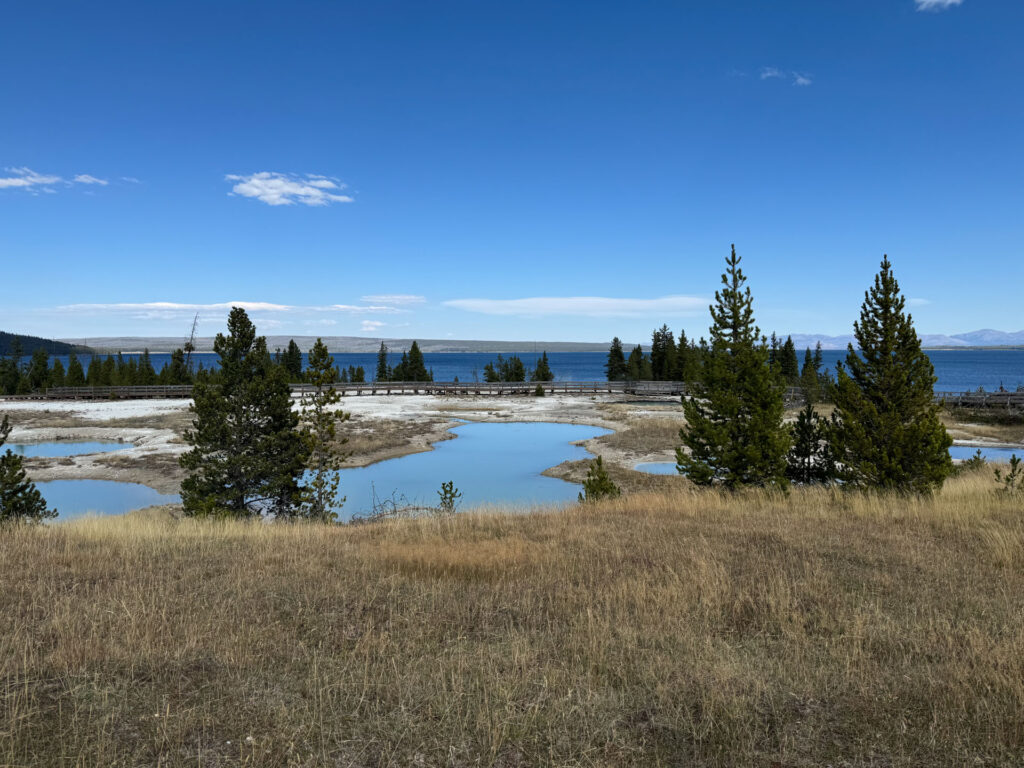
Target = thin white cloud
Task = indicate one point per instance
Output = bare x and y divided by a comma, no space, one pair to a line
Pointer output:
172,309
584,306
936,5
35,183
288,189
369,326
918,302
130,180
400,299
797,78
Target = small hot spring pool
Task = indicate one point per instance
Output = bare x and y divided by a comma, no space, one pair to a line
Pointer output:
74,498
63,448
997,455
491,464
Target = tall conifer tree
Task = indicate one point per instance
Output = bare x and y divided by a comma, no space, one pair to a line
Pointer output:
734,431
76,376
383,371
789,366
321,497
886,431
615,368
247,453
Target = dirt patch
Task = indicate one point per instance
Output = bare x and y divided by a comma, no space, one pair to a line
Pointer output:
372,440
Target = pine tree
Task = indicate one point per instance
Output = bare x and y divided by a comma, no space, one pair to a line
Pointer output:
734,431
886,431
10,370
145,375
177,372
20,500
663,354
291,360
108,372
789,366
810,379
615,368
94,374
543,370
638,365
247,454
598,484
383,371
321,497
76,376
506,369
416,368
38,369
57,375
810,459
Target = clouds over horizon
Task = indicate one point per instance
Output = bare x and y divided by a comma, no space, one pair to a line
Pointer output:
275,188
270,313
35,183
936,5
585,306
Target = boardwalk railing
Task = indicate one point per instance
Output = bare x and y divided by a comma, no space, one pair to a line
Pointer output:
793,395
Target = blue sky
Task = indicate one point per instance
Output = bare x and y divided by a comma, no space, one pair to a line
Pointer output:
526,170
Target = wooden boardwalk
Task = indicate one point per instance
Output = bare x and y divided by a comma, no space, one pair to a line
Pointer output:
793,395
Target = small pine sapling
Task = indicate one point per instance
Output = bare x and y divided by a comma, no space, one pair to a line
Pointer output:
598,484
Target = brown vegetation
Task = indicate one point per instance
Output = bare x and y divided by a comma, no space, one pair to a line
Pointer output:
690,628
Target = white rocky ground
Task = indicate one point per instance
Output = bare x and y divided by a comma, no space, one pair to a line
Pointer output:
381,427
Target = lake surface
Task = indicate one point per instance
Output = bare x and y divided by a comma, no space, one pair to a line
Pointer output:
957,370
74,498
489,464
63,448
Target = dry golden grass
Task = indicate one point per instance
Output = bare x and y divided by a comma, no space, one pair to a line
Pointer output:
695,628
644,435
369,440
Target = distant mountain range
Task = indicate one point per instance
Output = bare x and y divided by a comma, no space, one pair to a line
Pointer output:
983,338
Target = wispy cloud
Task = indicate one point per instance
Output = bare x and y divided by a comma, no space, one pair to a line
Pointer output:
288,188
918,302
35,183
797,78
400,299
585,306
936,5
369,326
172,309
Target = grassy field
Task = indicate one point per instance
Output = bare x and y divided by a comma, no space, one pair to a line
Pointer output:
693,628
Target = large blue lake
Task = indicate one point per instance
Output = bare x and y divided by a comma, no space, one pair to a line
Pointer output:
957,370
